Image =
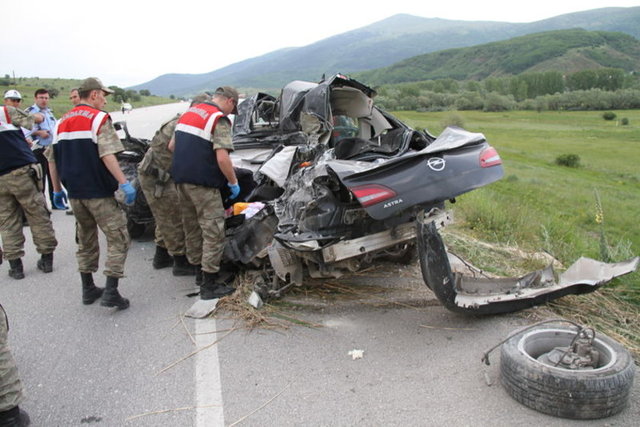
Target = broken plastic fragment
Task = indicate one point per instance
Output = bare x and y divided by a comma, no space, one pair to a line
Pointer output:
255,300
202,308
356,354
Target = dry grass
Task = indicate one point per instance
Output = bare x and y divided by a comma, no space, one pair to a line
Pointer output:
602,310
605,312
236,307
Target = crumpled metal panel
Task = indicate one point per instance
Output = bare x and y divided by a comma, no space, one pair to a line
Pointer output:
291,101
242,121
460,293
285,263
277,167
585,275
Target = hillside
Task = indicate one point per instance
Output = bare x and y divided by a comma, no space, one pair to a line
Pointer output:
379,45
565,50
59,92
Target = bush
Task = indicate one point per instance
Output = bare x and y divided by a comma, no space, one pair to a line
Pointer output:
494,102
569,160
452,119
624,121
609,115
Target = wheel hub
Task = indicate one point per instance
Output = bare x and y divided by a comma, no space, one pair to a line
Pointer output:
579,355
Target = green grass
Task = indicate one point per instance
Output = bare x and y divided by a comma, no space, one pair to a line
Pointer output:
542,206
61,104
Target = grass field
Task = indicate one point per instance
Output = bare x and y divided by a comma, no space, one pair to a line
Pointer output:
592,210
61,103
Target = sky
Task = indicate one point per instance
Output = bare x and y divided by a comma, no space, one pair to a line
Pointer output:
126,43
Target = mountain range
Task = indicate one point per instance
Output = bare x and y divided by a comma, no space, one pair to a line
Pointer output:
380,45
566,51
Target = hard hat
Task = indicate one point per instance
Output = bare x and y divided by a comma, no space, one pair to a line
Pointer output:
13,94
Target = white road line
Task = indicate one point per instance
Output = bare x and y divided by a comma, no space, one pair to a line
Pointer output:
207,372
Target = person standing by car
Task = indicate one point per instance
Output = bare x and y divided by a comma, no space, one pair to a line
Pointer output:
20,178
162,197
13,98
201,166
42,135
82,156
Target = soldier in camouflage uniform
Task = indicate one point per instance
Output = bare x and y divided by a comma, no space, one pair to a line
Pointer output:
160,192
82,156
20,176
201,166
10,386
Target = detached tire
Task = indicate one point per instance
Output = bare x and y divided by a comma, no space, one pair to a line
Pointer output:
576,394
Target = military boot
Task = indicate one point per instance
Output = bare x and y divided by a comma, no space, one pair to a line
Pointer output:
181,266
198,269
211,287
15,269
162,259
45,263
111,297
14,417
90,292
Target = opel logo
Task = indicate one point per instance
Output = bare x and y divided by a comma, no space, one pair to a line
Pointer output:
436,163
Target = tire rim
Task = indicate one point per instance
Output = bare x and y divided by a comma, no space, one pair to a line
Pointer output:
537,342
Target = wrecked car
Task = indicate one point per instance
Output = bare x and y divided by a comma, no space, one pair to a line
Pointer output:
139,215
337,182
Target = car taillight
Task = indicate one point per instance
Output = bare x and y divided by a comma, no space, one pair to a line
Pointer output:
371,194
490,157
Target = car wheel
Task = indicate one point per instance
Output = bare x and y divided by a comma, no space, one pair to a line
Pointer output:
135,230
532,378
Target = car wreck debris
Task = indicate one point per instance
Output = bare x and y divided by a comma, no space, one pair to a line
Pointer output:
356,354
467,294
138,214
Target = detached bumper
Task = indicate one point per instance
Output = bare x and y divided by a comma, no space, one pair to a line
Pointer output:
474,295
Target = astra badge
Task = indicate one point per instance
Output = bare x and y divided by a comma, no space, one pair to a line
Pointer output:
436,163
392,203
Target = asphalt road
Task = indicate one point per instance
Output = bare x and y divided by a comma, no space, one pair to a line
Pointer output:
89,365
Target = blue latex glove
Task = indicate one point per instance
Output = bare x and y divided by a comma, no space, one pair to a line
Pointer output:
235,190
129,193
60,199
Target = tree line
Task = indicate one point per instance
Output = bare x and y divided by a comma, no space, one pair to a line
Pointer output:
119,95
595,89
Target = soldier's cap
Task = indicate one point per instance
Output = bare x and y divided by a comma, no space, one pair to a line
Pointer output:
93,83
200,98
229,92
12,94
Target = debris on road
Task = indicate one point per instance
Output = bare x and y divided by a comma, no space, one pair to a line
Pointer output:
202,308
254,300
356,354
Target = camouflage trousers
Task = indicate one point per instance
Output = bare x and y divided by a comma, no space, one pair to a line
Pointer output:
203,219
105,214
10,385
166,212
19,193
